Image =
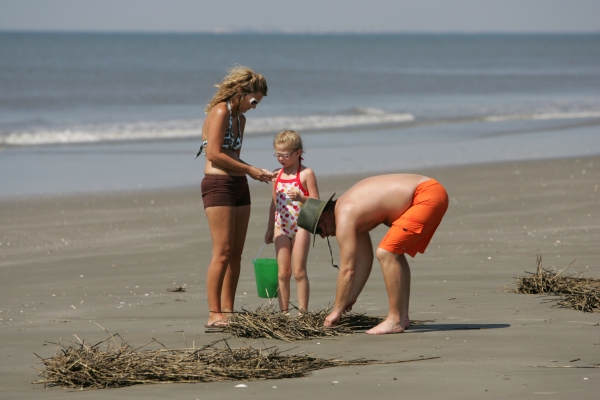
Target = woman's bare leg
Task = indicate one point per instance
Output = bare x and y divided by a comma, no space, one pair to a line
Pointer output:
232,274
221,222
300,247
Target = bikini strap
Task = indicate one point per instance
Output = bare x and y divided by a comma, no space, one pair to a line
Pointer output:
231,119
231,123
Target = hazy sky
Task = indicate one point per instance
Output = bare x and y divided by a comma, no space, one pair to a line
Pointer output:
302,15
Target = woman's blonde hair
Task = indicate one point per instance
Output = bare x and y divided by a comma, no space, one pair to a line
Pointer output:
288,138
239,82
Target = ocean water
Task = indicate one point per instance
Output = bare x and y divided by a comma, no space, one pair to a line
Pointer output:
84,112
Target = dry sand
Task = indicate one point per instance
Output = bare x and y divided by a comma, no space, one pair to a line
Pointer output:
67,263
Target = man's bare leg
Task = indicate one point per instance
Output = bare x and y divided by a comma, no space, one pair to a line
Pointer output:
396,274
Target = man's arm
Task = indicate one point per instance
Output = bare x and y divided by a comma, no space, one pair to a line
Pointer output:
364,264
348,243
353,275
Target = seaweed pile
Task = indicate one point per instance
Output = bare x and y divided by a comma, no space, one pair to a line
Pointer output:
267,323
579,293
118,364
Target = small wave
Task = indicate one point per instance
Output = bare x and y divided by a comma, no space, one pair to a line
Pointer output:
105,133
191,128
542,116
323,122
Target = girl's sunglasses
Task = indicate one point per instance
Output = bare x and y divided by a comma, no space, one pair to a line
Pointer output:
253,101
283,155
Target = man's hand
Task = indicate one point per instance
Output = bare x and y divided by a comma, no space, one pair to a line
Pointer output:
332,319
349,306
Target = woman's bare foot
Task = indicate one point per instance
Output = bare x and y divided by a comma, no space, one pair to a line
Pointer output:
216,325
216,320
389,326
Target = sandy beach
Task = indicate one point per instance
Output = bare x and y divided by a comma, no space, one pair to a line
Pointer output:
71,263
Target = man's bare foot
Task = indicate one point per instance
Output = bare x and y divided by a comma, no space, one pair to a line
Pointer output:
389,326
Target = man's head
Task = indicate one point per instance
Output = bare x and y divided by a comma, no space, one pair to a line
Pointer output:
326,224
317,217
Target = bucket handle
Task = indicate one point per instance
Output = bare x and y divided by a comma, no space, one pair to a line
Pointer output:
260,251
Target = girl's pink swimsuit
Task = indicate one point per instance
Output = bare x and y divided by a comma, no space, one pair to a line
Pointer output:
287,210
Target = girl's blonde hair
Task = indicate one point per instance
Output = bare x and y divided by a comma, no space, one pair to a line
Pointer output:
289,139
239,82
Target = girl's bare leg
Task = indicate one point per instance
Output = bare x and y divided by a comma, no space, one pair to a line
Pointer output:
283,251
300,247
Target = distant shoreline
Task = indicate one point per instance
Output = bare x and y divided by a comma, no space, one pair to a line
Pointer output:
296,33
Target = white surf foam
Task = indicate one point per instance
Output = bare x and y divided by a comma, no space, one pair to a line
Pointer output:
543,116
324,122
180,129
192,128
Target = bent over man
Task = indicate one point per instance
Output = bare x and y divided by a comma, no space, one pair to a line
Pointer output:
412,206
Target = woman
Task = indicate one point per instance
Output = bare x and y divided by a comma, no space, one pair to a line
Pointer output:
225,191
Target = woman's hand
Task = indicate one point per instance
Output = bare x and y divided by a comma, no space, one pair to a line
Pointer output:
269,176
262,175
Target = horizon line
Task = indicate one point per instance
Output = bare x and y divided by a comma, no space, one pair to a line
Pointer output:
293,32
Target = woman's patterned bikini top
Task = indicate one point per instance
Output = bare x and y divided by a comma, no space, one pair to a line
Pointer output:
229,141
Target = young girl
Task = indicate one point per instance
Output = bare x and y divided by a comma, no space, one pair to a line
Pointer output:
295,183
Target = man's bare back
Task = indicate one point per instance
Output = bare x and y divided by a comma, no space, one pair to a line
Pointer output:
376,200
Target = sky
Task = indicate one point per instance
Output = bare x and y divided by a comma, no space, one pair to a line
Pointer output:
302,16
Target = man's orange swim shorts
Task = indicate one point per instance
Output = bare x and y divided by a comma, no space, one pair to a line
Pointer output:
412,232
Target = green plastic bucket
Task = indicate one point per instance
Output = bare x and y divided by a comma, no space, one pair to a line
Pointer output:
266,272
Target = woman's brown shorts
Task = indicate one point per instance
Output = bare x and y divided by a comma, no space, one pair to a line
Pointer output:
225,190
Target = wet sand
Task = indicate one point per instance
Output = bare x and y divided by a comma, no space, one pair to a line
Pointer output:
68,263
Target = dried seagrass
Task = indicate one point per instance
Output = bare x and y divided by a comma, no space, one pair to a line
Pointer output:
267,323
582,294
84,366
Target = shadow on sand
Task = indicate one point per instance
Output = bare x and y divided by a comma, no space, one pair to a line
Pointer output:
454,327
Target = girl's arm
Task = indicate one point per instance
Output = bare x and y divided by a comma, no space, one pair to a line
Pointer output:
271,220
271,224
309,181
